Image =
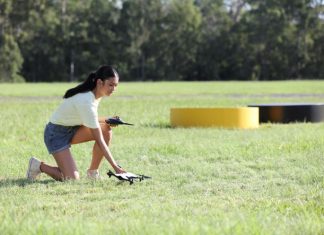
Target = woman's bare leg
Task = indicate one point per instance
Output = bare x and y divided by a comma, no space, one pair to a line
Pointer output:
84,134
66,167
66,164
52,171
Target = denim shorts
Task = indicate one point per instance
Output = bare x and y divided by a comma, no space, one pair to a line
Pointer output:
57,137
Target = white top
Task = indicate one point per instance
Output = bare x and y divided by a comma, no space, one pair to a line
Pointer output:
80,109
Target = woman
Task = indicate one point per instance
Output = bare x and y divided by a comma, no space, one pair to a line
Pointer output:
76,121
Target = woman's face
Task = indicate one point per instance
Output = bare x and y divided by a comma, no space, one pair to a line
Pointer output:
108,86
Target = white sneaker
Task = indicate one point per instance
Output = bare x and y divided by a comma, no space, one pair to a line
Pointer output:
93,174
33,168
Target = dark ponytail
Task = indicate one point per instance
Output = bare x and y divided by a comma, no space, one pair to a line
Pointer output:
103,72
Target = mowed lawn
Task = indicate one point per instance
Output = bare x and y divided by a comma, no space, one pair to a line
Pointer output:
268,180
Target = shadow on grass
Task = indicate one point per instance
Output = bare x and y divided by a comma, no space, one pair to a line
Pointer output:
22,182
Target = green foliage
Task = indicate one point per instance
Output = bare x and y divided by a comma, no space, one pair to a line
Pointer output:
157,40
10,60
215,41
177,40
205,180
10,56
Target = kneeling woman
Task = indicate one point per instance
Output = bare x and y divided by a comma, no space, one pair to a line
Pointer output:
76,121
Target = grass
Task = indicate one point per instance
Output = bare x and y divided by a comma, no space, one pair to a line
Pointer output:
268,180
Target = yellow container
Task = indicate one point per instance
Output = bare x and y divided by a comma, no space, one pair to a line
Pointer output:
240,117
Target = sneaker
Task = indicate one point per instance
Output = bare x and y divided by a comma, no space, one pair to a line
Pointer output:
93,174
33,169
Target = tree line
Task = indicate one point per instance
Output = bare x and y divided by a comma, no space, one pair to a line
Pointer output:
61,40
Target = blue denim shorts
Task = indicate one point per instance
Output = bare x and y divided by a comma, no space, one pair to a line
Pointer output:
57,137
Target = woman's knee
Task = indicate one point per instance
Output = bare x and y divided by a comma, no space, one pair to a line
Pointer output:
72,175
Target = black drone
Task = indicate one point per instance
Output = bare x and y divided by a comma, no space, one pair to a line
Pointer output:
130,177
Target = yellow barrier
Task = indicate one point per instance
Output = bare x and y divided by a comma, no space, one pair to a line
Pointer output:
241,117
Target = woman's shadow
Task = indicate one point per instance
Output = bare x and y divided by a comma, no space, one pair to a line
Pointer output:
21,182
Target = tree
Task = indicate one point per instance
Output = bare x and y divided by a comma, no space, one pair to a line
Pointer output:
137,23
10,57
61,40
10,60
278,38
91,35
215,38
178,40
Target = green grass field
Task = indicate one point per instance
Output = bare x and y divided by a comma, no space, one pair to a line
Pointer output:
268,180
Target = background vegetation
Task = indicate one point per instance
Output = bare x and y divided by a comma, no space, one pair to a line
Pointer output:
205,180
60,40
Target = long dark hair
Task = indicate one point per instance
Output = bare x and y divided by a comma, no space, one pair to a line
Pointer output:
103,72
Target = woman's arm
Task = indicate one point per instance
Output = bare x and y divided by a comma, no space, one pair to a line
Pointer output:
97,134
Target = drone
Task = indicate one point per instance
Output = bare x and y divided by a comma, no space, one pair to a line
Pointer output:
130,177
